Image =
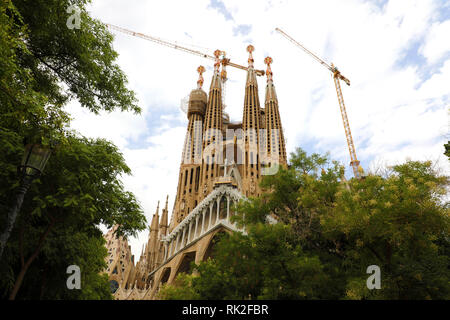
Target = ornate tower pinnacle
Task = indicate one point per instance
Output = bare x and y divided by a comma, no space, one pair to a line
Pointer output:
212,131
200,71
153,237
164,218
251,125
217,54
274,141
216,79
268,61
189,177
250,49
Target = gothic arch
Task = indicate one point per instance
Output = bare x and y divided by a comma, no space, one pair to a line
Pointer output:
165,275
214,213
209,249
185,263
223,208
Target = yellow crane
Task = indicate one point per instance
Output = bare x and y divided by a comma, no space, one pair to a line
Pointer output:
224,61
354,162
219,56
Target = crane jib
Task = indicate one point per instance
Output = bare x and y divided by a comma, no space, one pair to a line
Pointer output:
175,46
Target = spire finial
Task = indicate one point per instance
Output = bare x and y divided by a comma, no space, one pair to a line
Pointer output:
250,49
217,54
268,61
157,208
200,70
167,201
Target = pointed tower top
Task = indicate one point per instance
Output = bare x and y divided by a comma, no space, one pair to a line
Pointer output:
251,74
216,82
268,61
250,49
200,70
217,54
271,95
163,225
155,220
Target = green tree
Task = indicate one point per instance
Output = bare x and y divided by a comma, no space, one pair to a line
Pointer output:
80,190
401,224
447,149
287,260
329,231
43,65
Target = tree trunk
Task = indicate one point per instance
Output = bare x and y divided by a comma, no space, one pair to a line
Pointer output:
25,267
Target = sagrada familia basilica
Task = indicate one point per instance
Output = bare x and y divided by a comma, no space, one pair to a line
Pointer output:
222,163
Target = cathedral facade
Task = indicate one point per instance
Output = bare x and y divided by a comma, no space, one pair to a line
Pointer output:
222,163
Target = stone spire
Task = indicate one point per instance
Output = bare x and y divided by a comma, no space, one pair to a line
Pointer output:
251,129
251,74
274,140
212,132
189,177
164,218
153,238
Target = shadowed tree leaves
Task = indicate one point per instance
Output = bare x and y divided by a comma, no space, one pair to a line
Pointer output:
83,59
43,65
79,190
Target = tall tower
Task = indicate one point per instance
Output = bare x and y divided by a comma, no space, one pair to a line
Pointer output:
275,147
189,177
163,228
152,247
212,132
208,187
251,125
164,224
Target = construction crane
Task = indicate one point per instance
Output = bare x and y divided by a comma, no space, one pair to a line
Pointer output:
357,170
224,61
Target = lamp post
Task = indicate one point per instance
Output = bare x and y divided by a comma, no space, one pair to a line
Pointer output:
33,163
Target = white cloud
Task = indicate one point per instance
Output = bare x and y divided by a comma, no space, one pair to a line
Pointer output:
394,113
437,43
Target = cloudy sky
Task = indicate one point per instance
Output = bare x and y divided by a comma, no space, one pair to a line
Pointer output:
396,54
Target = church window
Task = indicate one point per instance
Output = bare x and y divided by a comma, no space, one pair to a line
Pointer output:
113,285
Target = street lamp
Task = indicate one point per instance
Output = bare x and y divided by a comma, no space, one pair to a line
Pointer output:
31,167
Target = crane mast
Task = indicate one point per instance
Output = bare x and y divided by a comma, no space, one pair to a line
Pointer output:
354,162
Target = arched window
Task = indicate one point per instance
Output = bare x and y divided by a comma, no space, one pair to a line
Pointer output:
166,275
214,213
113,286
185,265
223,208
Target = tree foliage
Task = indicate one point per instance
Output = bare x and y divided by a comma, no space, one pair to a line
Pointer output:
43,65
329,231
79,191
